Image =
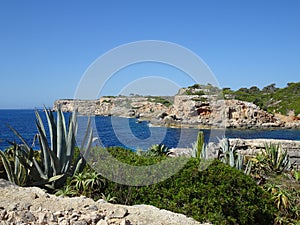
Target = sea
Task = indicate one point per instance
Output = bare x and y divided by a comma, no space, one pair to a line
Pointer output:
127,132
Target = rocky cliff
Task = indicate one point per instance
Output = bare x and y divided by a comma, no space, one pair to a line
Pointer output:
189,110
32,205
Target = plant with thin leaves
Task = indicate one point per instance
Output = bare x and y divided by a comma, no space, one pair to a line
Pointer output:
276,159
17,173
280,196
108,198
57,158
199,149
85,183
158,150
297,175
79,183
94,181
68,190
230,156
248,167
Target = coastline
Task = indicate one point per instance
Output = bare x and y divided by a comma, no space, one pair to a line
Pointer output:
154,122
185,112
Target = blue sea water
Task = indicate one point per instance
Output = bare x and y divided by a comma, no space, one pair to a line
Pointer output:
130,133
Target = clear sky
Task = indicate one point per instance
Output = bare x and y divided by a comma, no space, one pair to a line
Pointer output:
46,46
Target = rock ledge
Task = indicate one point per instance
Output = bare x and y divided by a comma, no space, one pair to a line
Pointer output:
32,205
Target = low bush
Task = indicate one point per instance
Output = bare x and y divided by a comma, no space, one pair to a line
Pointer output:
219,194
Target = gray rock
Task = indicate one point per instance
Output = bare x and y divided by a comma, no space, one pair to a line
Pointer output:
118,213
49,209
102,222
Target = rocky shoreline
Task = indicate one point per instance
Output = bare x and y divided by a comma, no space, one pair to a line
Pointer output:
31,205
184,111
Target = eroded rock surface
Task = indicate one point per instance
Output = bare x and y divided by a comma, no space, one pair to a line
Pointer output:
33,206
187,110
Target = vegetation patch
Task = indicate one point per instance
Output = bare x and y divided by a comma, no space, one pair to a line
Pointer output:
270,98
159,99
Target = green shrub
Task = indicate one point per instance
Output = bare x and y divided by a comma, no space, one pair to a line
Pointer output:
220,194
270,98
159,99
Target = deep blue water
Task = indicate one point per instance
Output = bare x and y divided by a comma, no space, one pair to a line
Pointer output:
114,131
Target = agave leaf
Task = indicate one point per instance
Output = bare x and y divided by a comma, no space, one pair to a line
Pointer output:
56,165
282,162
79,165
39,169
231,158
7,167
89,143
20,137
23,176
86,135
40,122
63,122
16,165
52,130
21,173
70,148
44,148
248,167
61,136
55,178
239,161
70,141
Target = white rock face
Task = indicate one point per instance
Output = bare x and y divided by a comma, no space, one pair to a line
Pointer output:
186,110
33,206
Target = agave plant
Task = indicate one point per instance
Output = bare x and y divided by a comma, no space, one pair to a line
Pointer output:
108,198
280,196
199,149
158,150
230,156
57,161
226,153
18,172
276,158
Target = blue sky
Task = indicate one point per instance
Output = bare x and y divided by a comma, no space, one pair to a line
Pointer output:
46,46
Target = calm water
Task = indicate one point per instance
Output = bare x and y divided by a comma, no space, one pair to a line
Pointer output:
114,131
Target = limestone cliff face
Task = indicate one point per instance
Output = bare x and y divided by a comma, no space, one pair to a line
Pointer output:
186,110
221,113
116,106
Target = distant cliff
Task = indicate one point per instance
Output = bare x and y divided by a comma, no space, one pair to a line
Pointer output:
193,109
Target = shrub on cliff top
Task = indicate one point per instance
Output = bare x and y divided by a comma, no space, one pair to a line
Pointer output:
220,194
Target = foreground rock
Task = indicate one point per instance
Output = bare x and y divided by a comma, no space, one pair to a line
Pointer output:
33,206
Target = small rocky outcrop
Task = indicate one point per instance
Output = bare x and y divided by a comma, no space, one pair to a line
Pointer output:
32,205
248,147
254,146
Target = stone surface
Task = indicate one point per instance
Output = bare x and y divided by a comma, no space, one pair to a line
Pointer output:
50,209
247,147
254,146
187,110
